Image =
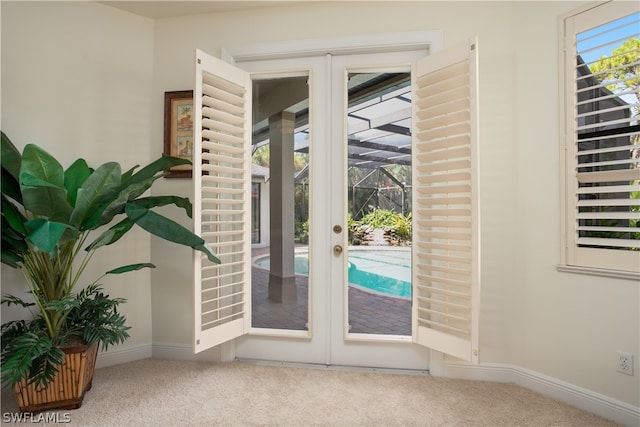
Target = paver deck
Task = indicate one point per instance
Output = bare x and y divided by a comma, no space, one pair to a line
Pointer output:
369,313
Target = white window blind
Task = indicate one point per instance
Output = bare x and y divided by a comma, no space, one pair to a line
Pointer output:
222,205
603,50
446,269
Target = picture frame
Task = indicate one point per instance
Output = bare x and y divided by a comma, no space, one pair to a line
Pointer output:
178,130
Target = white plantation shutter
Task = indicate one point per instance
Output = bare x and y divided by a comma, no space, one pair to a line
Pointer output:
603,140
446,276
222,204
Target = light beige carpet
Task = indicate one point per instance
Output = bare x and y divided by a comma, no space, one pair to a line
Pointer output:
176,393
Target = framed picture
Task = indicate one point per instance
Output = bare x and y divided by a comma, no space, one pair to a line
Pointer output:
178,130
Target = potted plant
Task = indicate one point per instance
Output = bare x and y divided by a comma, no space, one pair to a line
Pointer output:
53,223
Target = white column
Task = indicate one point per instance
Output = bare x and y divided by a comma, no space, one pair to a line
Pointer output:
282,285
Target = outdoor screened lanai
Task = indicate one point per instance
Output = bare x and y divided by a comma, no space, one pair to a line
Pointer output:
379,178
379,140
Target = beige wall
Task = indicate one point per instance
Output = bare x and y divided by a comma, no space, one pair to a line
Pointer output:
76,79
567,326
561,325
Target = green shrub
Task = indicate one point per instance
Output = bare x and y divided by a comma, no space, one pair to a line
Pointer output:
302,232
379,218
403,226
383,218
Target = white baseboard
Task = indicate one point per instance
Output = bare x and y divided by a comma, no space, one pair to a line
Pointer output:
118,356
612,409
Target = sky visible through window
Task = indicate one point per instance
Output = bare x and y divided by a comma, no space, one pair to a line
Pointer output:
600,41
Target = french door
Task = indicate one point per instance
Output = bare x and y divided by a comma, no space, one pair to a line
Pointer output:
332,112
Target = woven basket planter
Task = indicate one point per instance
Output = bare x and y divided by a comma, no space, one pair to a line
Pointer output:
68,387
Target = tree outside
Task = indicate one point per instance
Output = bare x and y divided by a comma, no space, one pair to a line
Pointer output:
620,72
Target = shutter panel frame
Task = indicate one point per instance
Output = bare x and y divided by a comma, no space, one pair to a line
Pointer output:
446,261
221,206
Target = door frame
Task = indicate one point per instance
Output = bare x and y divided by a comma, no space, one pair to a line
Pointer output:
438,312
429,41
432,40
347,346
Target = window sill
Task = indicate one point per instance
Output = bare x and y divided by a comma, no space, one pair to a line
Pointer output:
617,274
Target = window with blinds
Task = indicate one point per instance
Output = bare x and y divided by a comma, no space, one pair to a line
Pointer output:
604,138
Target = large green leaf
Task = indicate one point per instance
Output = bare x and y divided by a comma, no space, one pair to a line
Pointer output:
74,177
11,242
26,179
46,235
128,192
10,186
204,247
130,267
40,164
138,188
46,201
164,163
154,201
10,156
162,226
12,254
111,235
167,229
13,245
105,213
42,184
10,257
14,217
11,238
98,189
128,174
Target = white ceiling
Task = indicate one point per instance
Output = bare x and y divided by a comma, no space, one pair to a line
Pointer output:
168,9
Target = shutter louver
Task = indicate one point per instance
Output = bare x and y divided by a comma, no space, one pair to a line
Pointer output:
445,203
222,180
606,135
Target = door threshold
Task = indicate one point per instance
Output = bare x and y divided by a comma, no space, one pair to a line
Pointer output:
320,366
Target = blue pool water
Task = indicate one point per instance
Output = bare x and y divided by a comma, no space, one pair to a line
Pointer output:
378,270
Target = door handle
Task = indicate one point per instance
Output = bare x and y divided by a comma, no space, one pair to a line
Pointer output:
337,250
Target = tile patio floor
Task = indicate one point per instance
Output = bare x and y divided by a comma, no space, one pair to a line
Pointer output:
368,313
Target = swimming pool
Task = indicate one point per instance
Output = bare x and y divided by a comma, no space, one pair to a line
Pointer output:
382,270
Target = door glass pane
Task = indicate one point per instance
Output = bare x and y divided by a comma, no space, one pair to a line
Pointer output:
379,203
280,170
